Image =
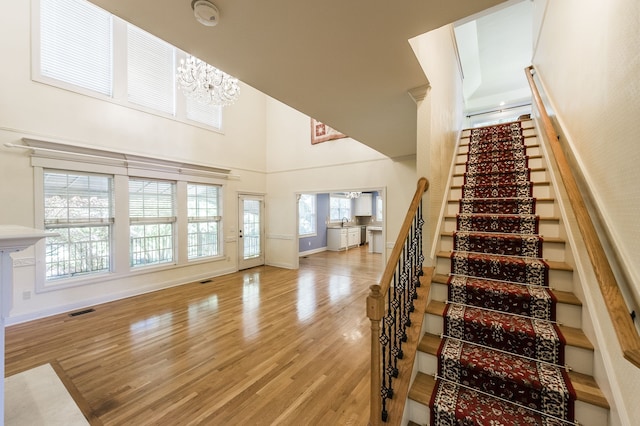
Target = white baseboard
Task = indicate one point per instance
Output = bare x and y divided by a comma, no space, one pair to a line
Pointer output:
314,251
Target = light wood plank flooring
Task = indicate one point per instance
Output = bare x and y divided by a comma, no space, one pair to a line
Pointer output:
259,347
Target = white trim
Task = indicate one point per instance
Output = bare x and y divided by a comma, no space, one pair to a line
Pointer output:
118,296
310,252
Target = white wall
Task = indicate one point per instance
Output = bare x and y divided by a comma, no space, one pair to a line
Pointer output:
586,56
28,108
440,118
294,165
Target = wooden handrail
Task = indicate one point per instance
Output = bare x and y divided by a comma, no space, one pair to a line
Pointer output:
622,323
376,299
385,280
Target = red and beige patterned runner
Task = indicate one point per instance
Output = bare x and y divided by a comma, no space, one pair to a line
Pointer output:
499,361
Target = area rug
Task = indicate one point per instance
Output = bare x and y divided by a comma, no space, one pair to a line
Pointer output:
38,397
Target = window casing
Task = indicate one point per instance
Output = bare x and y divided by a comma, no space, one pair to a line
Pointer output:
339,208
152,216
76,46
203,211
79,208
307,215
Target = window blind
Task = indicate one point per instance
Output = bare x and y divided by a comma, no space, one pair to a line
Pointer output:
76,44
150,71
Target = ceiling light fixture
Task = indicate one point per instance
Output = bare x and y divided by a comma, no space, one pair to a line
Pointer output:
205,12
206,83
353,194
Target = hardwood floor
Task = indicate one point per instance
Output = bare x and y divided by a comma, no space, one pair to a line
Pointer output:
259,347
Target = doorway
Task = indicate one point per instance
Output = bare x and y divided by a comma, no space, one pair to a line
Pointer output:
250,231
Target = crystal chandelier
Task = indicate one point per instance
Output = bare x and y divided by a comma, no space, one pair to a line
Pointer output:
353,194
206,83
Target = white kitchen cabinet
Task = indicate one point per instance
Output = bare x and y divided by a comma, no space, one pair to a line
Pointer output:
337,239
353,237
363,205
343,238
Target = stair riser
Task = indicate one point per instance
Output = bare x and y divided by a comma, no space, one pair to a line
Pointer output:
547,227
550,250
586,414
558,279
538,175
539,191
544,208
534,163
579,359
569,315
532,151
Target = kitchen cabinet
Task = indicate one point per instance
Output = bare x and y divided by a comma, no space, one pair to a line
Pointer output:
363,205
343,238
353,236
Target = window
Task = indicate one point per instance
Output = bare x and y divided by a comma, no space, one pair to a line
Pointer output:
339,207
379,208
74,47
150,71
152,215
79,207
307,214
203,210
69,30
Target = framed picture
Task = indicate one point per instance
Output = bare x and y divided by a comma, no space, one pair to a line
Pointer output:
320,132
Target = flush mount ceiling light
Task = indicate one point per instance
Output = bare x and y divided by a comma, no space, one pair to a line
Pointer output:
205,12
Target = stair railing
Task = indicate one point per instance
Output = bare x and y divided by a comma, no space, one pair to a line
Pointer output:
625,330
390,303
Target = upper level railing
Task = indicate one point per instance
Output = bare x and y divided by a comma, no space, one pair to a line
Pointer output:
622,322
390,304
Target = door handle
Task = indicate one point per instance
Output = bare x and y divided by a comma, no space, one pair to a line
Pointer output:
240,235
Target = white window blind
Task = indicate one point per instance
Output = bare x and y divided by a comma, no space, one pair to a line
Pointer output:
151,215
76,44
150,71
204,113
203,210
79,208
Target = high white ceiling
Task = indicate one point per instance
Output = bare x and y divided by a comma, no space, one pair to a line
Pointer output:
494,51
347,63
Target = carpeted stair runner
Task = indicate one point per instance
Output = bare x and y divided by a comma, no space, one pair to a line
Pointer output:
501,358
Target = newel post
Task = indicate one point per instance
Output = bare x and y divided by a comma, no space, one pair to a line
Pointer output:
375,311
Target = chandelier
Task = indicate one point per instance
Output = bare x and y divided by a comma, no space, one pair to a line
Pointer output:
353,194
206,83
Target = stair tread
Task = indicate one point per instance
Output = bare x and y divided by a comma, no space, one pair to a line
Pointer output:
533,169
546,218
565,297
538,199
587,390
546,239
553,264
573,336
530,157
542,183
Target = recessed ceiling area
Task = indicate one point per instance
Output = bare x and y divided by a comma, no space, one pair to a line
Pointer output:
494,50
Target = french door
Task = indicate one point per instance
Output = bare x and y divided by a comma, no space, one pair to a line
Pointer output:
250,231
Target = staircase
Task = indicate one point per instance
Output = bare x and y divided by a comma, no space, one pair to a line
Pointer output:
559,304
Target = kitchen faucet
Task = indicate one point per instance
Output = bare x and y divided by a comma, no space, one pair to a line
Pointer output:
344,219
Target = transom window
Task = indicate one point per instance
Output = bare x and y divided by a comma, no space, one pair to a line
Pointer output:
79,207
74,47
